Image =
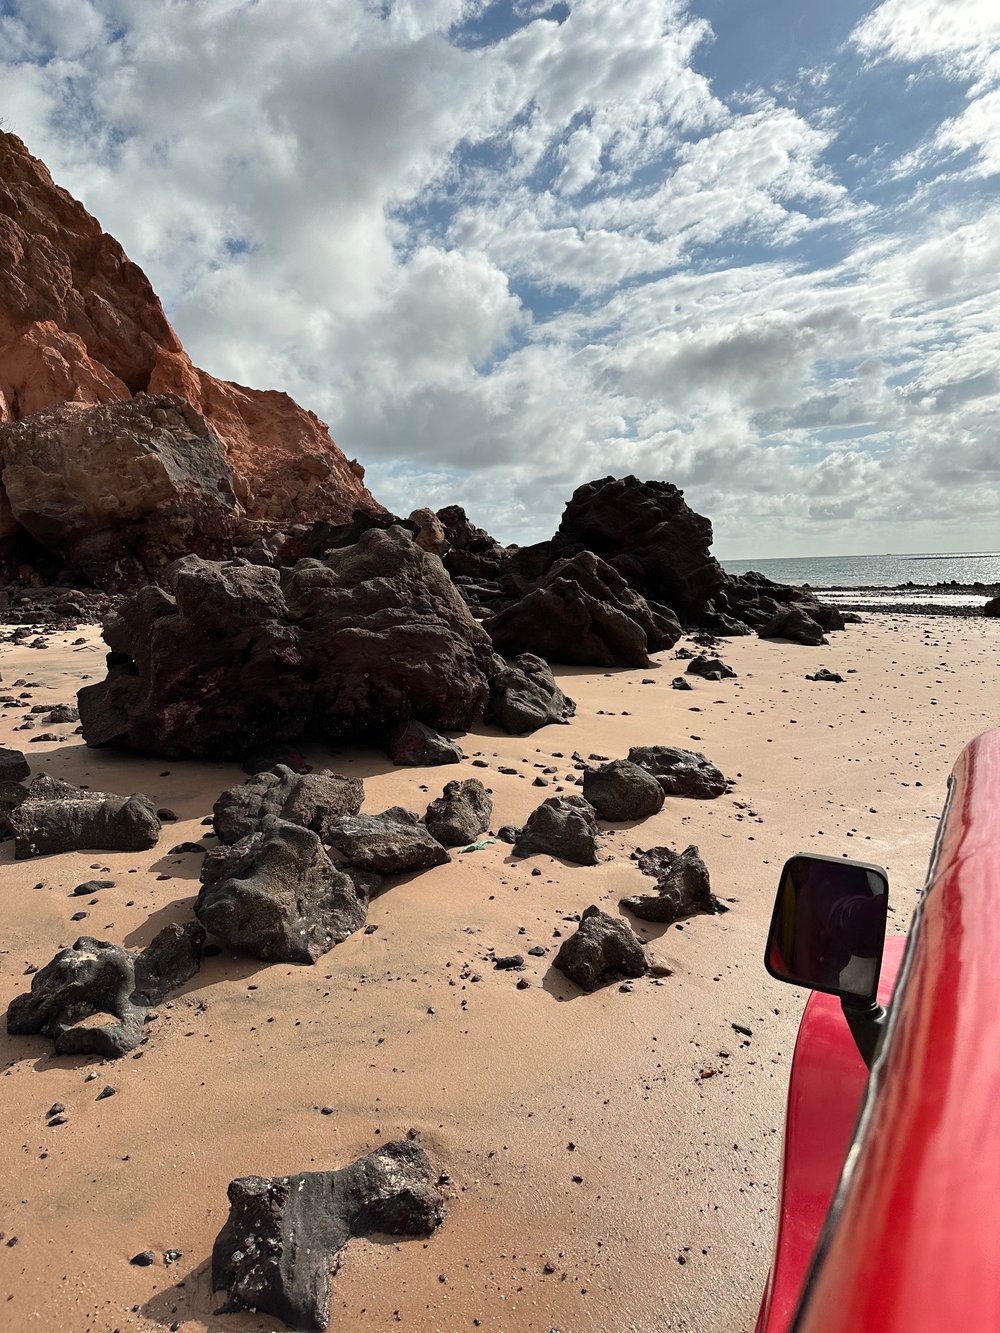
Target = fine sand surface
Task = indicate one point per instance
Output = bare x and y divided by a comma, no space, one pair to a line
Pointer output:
676,1118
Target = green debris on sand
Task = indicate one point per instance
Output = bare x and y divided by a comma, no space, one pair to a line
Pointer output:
477,846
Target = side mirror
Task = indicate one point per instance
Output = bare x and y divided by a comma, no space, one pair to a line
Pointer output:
828,927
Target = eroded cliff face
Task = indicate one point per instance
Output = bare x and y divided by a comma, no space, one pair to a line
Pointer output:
80,323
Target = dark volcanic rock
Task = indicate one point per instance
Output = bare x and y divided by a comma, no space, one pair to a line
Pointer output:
412,745
795,624
992,607
242,656
11,796
583,612
622,790
63,713
283,1234
680,772
524,696
310,800
646,531
172,957
684,890
602,948
472,551
278,896
562,826
831,676
13,765
120,490
711,668
391,843
96,977
459,815
57,817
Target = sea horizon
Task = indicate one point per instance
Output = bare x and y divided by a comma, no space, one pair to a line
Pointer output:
924,570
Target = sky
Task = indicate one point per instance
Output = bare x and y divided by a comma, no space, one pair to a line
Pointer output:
503,247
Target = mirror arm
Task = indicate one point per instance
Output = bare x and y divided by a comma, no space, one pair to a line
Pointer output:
867,1024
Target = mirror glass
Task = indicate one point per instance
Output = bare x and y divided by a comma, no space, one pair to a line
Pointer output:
828,926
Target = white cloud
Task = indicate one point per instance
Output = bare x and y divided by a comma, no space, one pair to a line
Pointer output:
502,265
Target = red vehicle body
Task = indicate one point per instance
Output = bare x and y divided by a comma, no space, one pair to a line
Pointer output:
889,1210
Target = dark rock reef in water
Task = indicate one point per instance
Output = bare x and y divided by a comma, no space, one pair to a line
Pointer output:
238,656
96,977
284,1234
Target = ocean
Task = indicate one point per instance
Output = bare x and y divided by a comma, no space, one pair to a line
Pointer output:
849,573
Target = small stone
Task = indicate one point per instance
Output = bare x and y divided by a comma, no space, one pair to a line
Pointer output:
107,1091
143,1259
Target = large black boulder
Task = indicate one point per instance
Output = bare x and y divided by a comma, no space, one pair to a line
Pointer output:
648,533
581,611
238,656
524,696
58,817
796,624
680,772
277,895
622,790
460,814
562,826
602,948
275,1253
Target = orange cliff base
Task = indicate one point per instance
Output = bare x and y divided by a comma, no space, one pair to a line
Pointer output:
79,322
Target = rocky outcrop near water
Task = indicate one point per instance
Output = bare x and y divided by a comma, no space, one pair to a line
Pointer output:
628,566
238,656
80,324
650,535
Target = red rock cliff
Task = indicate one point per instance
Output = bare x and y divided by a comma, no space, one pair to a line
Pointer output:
79,322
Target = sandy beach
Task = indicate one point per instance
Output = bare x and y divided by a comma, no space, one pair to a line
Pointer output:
611,1158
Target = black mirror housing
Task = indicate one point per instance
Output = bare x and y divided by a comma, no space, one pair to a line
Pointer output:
828,927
